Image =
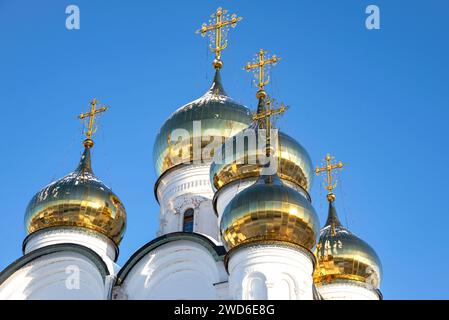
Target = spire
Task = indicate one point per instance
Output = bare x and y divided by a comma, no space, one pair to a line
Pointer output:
85,165
217,86
332,218
265,112
260,110
263,117
217,30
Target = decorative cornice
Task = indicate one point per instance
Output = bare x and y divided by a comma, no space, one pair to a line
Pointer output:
180,167
162,176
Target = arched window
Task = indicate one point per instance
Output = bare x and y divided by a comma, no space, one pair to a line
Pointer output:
256,288
187,225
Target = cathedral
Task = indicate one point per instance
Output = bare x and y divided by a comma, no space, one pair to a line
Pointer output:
236,220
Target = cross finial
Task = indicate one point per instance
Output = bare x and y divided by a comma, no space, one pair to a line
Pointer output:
266,114
91,129
218,28
261,63
328,168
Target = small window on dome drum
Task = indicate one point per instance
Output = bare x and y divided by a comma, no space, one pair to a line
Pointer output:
188,221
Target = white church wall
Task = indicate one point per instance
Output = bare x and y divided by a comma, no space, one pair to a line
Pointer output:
187,187
56,276
176,270
272,272
97,242
347,291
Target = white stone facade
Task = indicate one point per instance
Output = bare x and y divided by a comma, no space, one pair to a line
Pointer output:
181,269
69,272
270,272
183,188
348,291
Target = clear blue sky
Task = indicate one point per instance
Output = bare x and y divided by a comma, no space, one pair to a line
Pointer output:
378,100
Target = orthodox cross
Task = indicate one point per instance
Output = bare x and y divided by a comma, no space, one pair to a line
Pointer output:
329,182
266,114
261,64
91,129
219,26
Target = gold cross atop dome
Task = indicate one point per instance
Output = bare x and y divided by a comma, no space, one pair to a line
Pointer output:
261,63
266,114
218,28
91,129
328,168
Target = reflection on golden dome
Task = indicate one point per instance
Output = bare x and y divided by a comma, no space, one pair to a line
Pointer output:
269,210
219,116
294,162
78,200
342,257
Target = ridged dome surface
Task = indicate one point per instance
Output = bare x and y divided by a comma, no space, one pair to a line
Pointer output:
78,200
269,210
342,256
219,117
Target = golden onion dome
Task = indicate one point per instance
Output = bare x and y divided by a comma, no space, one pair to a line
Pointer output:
218,117
294,163
79,199
343,257
269,210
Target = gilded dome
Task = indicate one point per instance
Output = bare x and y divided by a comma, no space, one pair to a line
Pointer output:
219,117
243,162
269,210
342,256
78,200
